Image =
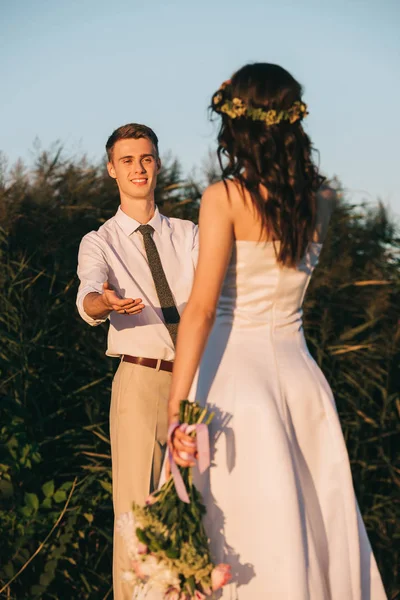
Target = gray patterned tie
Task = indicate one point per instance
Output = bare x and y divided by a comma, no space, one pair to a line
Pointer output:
167,302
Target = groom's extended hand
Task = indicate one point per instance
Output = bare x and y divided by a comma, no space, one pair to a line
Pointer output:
99,306
120,305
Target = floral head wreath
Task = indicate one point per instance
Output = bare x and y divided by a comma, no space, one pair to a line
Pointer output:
237,108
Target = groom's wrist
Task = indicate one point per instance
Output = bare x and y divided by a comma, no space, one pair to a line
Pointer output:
95,306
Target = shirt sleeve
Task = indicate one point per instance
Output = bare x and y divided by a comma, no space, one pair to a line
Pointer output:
92,272
195,245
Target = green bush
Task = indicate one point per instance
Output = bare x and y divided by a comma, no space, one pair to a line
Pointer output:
55,477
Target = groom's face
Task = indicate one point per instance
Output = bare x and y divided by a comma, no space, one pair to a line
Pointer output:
135,166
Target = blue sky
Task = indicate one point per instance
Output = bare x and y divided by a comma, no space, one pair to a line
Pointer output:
74,70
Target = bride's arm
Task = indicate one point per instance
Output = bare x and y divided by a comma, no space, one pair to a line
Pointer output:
216,239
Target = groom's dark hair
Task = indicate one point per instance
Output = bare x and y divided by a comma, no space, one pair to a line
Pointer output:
134,131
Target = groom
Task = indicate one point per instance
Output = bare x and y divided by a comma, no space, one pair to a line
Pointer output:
137,271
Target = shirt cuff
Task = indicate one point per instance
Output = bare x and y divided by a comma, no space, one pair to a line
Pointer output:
88,289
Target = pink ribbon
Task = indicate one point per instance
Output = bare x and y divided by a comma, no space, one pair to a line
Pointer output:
203,454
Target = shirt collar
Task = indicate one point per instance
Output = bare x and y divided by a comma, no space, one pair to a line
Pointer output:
129,225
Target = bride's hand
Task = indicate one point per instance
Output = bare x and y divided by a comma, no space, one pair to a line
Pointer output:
184,448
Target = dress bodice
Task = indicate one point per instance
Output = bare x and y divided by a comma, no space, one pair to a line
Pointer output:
257,290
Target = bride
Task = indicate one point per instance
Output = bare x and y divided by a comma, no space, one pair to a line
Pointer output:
280,502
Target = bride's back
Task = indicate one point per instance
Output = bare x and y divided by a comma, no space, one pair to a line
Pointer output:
247,223
257,290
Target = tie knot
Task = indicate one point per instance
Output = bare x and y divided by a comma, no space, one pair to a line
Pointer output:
146,229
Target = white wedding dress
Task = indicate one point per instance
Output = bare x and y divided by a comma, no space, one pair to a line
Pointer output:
279,494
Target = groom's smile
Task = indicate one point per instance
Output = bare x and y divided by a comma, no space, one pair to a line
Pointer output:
139,182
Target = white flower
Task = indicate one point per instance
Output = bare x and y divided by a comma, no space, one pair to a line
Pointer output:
158,573
126,527
129,577
164,578
149,565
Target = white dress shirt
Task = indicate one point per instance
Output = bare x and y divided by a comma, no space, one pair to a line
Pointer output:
116,253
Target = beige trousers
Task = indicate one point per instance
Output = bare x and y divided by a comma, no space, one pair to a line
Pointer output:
138,430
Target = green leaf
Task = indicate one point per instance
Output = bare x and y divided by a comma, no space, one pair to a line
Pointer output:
65,538
155,546
60,496
106,485
191,583
25,451
46,578
32,501
142,537
58,552
48,488
8,570
172,553
36,457
50,566
6,488
67,485
37,591
88,517
47,503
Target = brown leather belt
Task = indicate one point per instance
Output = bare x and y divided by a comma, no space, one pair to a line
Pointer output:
153,363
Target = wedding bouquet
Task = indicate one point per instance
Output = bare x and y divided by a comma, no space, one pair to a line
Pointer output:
166,540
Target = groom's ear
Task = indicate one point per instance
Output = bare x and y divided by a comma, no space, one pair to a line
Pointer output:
111,170
159,165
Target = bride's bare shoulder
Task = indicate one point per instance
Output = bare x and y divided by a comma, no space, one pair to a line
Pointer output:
224,191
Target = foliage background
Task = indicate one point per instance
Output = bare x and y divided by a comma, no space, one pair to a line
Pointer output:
55,484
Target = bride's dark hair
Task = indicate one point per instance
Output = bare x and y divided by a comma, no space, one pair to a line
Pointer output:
276,156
